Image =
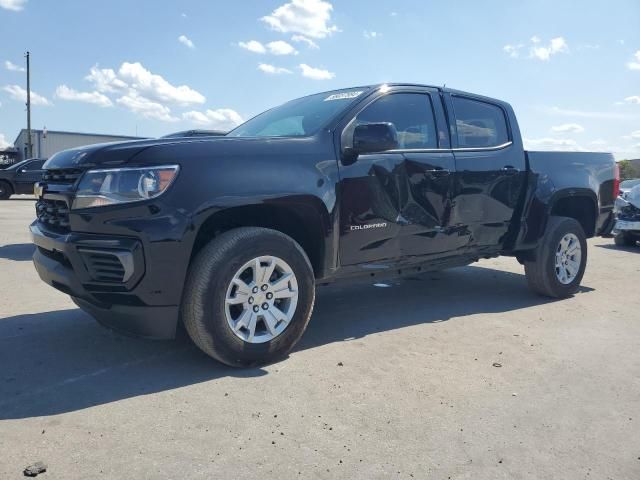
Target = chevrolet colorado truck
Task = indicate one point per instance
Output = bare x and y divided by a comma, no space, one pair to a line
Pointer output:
231,234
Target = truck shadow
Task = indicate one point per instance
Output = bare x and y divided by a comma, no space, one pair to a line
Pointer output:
63,361
612,246
19,252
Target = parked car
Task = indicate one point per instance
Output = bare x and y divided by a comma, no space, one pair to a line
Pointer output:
230,235
20,177
627,185
627,209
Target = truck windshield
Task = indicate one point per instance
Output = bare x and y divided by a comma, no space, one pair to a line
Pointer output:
299,118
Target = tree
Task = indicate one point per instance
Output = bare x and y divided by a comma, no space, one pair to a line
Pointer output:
628,170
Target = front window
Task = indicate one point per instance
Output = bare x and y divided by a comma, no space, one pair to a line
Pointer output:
298,118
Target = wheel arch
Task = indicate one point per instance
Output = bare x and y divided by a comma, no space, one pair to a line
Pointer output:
303,218
579,204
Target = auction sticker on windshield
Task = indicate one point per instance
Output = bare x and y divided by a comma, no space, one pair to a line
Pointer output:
343,95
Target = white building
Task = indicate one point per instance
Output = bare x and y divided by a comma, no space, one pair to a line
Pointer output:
48,142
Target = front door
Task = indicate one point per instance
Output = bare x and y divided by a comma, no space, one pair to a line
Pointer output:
395,204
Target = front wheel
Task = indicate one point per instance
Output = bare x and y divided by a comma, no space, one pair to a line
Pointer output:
560,259
249,296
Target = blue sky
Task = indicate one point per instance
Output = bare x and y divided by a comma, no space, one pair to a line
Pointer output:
570,69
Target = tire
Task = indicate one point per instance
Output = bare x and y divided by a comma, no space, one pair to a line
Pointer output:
206,311
624,239
541,273
5,190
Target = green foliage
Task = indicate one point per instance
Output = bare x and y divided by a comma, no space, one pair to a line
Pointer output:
628,170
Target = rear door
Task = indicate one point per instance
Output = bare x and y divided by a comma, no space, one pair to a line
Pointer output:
490,171
395,204
27,175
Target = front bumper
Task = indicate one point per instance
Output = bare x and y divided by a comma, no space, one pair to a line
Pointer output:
626,225
85,267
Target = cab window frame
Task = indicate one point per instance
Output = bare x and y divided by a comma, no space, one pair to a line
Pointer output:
454,124
347,130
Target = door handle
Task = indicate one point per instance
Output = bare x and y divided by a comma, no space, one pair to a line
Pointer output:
438,172
510,170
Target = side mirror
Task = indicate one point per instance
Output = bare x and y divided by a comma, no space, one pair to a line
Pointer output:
375,137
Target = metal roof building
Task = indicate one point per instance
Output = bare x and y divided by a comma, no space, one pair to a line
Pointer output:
47,142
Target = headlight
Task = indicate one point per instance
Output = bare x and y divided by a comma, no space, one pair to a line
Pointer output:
99,188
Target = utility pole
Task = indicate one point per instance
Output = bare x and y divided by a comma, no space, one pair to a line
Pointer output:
29,140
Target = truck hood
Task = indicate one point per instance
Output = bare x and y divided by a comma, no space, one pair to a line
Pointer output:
102,154
107,155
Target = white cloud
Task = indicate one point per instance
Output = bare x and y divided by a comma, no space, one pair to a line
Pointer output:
281,47
371,35
16,92
635,64
394,14
568,128
135,79
183,39
513,50
183,15
222,118
253,46
633,99
15,5
307,17
315,73
307,41
145,107
587,114
155,87
278,47
635,135
3,142
105,80
554,144
556,45
266,68
537,49
12,67
95,98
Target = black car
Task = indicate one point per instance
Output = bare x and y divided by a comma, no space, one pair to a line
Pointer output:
230,235
20,177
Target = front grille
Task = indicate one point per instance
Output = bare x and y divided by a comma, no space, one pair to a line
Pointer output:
108,266
66,176
53,213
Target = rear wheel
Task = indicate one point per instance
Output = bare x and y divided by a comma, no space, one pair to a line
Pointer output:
624,239
249,296
560,259
5,190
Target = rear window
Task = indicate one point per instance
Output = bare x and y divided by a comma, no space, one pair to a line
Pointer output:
479,124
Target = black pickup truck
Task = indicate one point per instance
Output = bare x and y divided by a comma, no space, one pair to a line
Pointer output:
230,235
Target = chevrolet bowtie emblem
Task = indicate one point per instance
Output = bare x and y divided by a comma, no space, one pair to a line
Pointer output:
38,189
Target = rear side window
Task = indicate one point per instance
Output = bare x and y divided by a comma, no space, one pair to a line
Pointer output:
412,115
35,165
479,124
